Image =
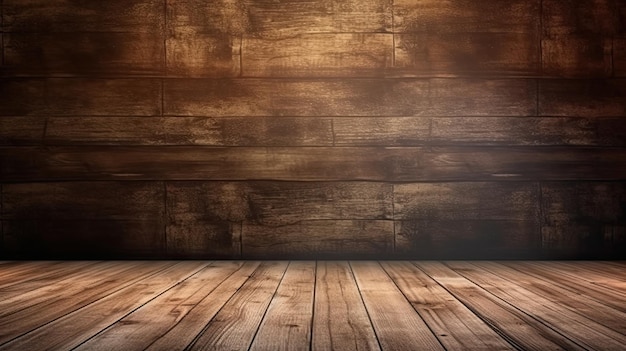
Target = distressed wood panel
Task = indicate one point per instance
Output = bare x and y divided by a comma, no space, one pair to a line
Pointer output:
80,96
83,219
414,131
349,97
584,219
619,54
586,98
467,220
204,37
324,239
499,16
225,131
579,17
577,56
291,17
82,15
318,55
452,54
316,163
22,130
89,54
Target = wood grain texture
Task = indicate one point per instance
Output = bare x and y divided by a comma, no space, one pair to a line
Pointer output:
325,239
584,98
577,57
467,219
619,54
318,55
80,96
340,320
218,131
583,219
83,54
586,17
349,97
22,130
82,15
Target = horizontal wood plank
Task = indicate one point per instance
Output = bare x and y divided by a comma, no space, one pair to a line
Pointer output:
22,130
323,239
216,131
83,54
71,16
583,219
582,98
80,96
433,53
577,57
619,54
305,163
467,219
586,17
349,97
318,55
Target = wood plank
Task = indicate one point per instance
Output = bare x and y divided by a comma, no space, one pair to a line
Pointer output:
458,16
319,239
311,163
84,219
220,131
509,131
518,328
489,220
63,333
235,326
619,54
349,97
292,17
22,130
187,327
551,290
20,272
583,219
583,98
35,310
318,55
84,54
83,15
456,327
616,284
287,322
204,37
586,17
340,320
577,327
433,53
577,57
80,96
143,326
398,326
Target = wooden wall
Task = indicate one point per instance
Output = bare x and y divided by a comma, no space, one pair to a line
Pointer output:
323,129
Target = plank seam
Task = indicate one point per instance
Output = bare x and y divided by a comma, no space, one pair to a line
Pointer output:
313,307
369,317
165,220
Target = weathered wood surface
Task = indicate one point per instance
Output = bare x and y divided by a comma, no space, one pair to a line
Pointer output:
619,54
577,56
22,130
390,305
582,98
311,164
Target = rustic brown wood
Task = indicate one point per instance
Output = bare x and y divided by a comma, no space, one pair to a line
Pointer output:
22,130
340,320
319,239
80,96
247,307
582,98
577,56
311,164
287,322
467,219
616,284
586,17
576,327
318,55
397,325
349,97
87,16
619,54
140,328
288,18
583,219
224,131
456,327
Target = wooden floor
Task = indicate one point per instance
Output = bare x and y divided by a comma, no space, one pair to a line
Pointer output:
306,305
